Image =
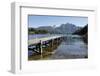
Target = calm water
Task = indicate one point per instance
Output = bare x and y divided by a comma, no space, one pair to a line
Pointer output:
71,47
38,36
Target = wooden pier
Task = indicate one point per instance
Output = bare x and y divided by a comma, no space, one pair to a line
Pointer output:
45,41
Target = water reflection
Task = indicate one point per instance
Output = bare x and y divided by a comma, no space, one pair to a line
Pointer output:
71,47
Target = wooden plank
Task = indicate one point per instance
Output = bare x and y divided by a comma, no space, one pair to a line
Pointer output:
37,40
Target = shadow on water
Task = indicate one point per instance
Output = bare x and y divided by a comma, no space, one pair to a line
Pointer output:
68,48
85,39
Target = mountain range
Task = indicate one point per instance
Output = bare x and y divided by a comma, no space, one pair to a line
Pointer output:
67,28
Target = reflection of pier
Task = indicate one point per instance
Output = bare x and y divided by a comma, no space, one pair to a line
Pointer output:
36,45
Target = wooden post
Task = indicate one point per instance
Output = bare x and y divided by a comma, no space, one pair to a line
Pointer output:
57,41
41,51
52,44
37,48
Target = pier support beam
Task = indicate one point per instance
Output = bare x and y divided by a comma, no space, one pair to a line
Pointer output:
57,41
41,51
52,43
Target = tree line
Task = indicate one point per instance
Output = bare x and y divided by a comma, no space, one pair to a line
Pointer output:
35,31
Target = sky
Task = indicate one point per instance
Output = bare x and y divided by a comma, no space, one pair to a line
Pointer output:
42,20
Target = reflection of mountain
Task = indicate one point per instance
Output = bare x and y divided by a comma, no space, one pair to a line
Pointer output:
83,32
62,29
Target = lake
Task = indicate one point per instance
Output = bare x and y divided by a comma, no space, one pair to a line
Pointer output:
39,36
71,47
